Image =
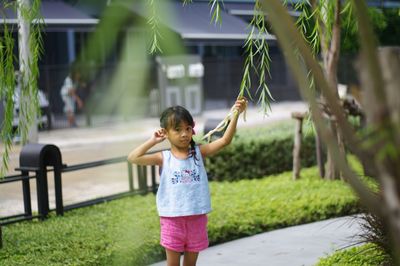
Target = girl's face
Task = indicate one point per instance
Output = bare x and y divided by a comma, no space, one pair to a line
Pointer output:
181,135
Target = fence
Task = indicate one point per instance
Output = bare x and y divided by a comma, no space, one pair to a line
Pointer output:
36,160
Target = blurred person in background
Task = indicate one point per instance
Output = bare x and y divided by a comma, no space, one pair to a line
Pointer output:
70,96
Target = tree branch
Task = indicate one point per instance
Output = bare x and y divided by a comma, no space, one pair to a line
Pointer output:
333,53
369,51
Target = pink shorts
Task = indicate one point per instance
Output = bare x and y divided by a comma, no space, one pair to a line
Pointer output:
184,233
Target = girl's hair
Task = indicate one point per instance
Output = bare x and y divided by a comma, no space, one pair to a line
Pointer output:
172,117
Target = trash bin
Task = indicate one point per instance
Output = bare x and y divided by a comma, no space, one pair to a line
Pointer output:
180,82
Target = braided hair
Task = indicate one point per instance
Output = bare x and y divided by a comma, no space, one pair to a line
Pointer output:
172,117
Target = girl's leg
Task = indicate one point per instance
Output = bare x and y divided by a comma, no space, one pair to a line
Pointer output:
190,258
173,257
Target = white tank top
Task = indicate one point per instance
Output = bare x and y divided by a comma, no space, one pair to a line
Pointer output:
183,189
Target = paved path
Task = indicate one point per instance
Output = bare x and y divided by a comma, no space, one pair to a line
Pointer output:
141,129
301,245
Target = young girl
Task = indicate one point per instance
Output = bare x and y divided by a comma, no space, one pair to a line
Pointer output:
70,97
183,198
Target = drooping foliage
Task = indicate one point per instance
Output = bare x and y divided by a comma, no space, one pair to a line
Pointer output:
17,74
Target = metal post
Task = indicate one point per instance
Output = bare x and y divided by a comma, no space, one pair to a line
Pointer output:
26,190
297,143
58,190
142,174
153,179
42,193
130,176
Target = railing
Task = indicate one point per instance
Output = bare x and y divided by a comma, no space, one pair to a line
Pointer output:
142,173
27,215
40,175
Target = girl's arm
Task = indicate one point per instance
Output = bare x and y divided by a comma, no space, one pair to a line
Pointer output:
139,156
226,139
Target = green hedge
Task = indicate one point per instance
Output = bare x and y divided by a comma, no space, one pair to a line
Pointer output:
126,231
258,152
248,207
366,255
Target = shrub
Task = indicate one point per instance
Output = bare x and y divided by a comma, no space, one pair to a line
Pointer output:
247,207
374,231
258,152
367,254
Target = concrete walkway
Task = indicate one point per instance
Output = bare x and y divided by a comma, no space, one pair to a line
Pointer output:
301,245
142,128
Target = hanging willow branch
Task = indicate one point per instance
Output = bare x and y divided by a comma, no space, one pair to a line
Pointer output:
256,49
7,88
256,46
154,24
262,51
307,24
216,11
154,21
224,123
257,61
28,109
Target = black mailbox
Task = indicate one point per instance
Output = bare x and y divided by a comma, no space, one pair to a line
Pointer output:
36,157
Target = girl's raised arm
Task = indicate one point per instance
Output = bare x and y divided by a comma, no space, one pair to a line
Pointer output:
139,156
226,139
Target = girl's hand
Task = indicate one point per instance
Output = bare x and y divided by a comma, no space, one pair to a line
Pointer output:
159,135
241,105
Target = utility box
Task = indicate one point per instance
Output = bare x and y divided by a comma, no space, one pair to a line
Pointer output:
180,82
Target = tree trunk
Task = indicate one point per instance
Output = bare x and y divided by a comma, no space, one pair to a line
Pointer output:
331,172
381,95
389,168
298,135
25,58
331,59
383,115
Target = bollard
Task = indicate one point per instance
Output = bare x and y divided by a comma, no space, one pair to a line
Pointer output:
298,134
36,157
153,179
142,179
130,177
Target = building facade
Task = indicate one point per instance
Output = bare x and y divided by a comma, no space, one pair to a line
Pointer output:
71,26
